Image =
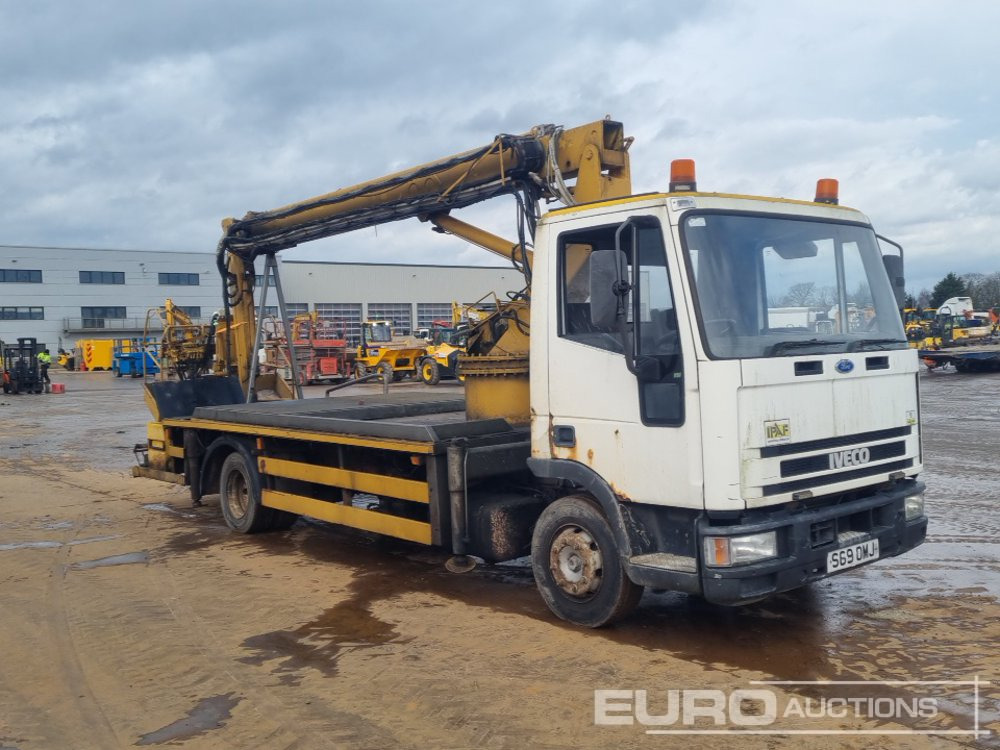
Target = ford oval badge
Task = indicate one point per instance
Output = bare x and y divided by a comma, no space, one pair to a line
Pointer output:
845,366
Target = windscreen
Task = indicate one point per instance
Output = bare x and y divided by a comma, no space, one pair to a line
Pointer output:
380,332
777,286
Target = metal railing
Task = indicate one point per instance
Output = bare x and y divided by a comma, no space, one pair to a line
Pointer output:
111,324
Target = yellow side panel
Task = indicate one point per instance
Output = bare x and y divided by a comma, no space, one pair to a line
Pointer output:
334,438
357,518
375,484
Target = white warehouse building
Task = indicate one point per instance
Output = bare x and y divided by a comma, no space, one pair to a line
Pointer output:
60,295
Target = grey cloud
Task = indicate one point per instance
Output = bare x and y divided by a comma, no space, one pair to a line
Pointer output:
143,124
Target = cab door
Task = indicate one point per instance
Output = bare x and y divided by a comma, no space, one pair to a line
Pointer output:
634,429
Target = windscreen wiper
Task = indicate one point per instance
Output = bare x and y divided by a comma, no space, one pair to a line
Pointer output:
880,343
797,343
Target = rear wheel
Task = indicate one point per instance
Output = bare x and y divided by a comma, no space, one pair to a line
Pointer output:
577,566
384,371
430,372
240,498
360,370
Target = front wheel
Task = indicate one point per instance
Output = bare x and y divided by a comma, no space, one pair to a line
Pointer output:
577,566
430,372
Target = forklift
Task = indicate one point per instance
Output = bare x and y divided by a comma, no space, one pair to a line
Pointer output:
20,367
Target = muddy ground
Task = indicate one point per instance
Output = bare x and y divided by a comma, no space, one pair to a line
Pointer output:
129,618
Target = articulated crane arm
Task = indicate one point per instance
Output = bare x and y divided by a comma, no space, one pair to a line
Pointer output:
533,166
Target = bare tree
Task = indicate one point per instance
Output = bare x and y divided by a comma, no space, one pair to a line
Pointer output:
985,291
800,295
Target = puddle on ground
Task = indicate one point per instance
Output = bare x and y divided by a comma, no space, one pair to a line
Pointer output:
129,558
349,625
164,508
208,714
30,545
50,544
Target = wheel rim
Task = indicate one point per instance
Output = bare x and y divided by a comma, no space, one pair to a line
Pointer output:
237,494
576,562
428,371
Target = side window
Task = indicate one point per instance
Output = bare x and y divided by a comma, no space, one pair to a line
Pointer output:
661,401
650,308
657,316
575,324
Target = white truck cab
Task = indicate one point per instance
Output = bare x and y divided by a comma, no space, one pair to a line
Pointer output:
737,456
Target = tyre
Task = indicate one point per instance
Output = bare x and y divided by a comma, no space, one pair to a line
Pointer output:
117,371
239,495
360,370
385,372
577,566
430,372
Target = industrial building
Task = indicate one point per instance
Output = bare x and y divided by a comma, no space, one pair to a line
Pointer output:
60,295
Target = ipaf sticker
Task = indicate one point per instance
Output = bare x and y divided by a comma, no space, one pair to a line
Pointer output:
777,431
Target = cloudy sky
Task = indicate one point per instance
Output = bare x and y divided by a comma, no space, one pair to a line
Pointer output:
140,125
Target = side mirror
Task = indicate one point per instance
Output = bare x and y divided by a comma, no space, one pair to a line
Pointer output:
608,272
894,268
648,369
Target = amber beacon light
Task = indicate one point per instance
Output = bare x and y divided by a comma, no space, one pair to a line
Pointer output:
682,176
826,191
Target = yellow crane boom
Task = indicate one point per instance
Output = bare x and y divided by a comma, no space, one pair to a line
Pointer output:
577,165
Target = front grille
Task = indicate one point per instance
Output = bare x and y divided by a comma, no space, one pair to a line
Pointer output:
840,476
788,449
795,466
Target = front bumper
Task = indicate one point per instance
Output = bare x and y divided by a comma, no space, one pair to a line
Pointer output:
804,540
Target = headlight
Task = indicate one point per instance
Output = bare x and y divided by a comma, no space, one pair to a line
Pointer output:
726,551
914,506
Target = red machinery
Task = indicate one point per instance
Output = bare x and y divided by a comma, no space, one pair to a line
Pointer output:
321,349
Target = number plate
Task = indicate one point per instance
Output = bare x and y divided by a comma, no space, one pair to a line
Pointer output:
849,557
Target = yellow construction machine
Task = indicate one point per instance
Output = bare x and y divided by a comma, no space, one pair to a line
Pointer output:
440,359
186,348
381,351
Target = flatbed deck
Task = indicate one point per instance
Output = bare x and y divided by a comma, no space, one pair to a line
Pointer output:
417,417
971,358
